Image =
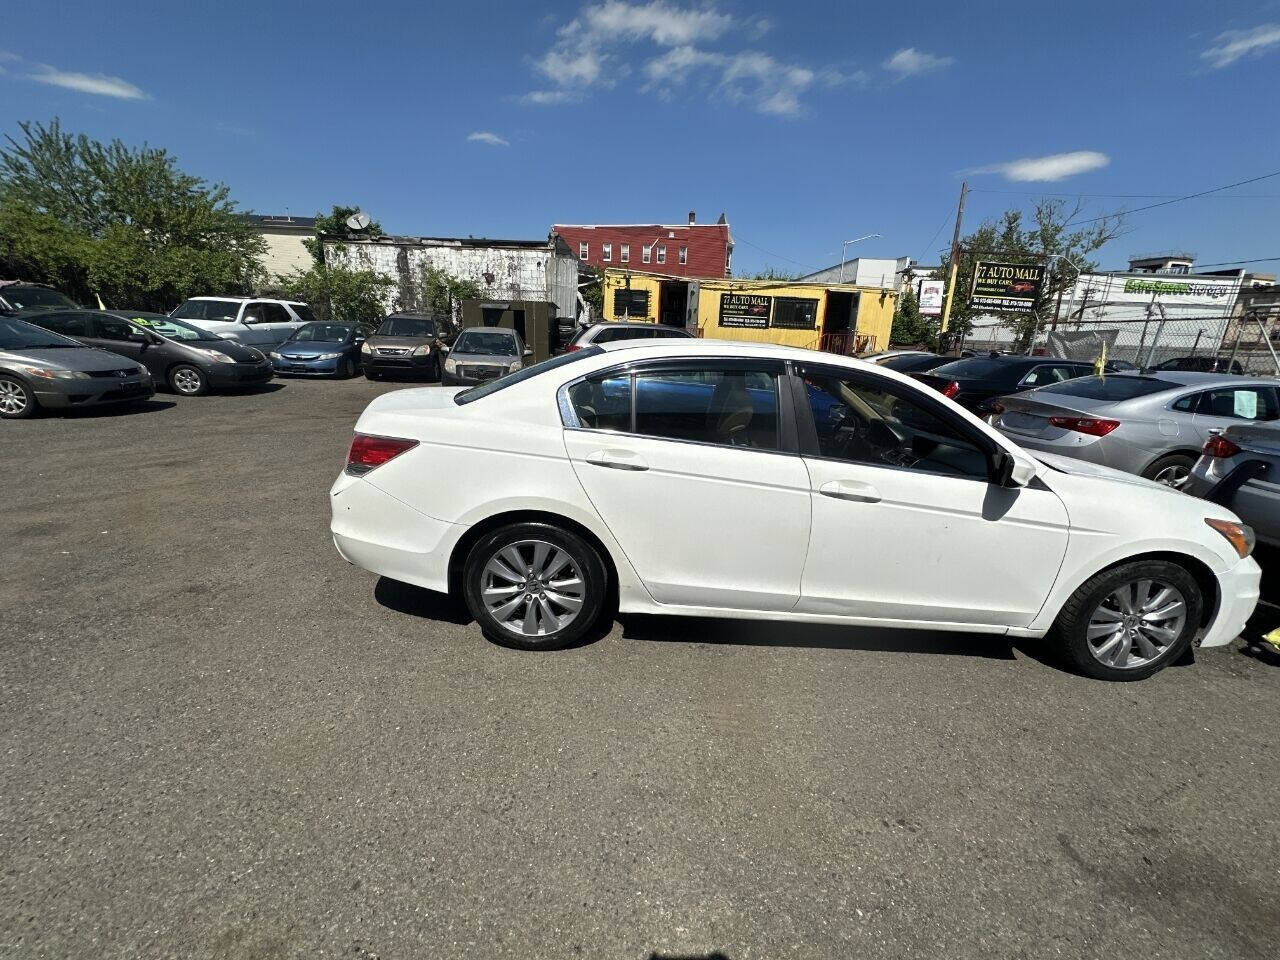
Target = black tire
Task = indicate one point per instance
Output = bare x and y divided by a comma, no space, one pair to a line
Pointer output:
583,556
17,400
1173,470
348,369
188,381
370,375
1070,631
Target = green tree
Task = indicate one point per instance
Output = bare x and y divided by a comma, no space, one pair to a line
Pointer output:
337,293
437,291
123,223
1014,239
910,326
772,273
334,224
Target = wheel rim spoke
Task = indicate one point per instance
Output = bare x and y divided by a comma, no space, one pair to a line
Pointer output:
1136,623
533,588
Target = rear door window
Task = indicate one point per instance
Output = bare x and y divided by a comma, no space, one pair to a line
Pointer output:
67,324
112,328
1238,403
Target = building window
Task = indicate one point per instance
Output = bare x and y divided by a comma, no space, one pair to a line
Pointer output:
795,313
630,303
728,261
625,256
584,251
606,252
662,253
644,253
684,254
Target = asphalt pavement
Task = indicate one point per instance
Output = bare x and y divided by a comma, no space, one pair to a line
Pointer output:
220,740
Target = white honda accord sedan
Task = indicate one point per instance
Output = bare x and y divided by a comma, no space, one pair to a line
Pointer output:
706,478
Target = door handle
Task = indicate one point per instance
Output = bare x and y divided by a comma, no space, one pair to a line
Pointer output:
617,460
854,490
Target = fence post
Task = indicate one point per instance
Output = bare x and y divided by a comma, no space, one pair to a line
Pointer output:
1159,331
1262,328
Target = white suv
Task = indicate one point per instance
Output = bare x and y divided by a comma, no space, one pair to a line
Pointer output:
258,322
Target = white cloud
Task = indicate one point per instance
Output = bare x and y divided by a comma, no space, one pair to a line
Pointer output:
96,83
587,54
1236,44
484,136
1057,166
910,62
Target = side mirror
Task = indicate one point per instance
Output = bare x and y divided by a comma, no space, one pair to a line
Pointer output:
139,337
443,348
1014,471
250,318
528,352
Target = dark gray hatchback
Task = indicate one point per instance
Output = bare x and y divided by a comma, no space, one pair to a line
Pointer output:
180,354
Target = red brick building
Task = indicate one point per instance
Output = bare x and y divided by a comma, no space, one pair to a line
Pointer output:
684,250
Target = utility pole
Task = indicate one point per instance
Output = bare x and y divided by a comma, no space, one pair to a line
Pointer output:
955,256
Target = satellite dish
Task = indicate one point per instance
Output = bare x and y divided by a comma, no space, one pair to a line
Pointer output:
358,220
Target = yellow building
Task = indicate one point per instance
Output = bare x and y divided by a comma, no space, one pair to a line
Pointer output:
837,317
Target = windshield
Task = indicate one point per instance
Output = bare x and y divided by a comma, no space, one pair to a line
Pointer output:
407,327
511,379
1109,388
208,310
327,332
168,327
16,335
487,342
980,368
29,298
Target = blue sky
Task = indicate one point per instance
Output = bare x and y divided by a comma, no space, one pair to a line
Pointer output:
807,123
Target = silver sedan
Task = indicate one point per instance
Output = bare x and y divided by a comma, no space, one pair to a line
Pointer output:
1149,424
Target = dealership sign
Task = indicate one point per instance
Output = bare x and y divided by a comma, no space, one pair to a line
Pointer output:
1006,287
930,297
745,310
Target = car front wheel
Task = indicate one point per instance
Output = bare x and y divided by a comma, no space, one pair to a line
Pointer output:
1131,621
534,586
16,400
188,381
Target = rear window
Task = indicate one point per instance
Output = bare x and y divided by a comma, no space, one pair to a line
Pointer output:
981,368
662,331
511,379
28,298
1110,388
621,333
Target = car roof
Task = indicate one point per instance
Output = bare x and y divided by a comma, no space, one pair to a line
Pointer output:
1195,378
292,303
625,324
507,330
696,346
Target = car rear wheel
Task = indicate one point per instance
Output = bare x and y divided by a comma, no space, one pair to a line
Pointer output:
1131,621
534,586
1172,471
188,381
17,402
348,369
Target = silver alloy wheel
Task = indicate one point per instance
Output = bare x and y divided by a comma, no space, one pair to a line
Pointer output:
1175,475
532,588
186,380
13,399
1136,623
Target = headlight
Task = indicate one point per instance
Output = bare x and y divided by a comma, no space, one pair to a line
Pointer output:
364,347
515,365
216,355
45,373
451,365
329,356
276,356
422,351
1237,534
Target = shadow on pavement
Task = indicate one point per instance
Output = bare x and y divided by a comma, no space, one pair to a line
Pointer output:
714,955
779,633
118,410
419,602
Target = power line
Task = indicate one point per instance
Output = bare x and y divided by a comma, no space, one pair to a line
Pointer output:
1165,203
1231,263
1121,196
945,221
739,237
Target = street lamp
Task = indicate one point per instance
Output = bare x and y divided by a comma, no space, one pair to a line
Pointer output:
844,249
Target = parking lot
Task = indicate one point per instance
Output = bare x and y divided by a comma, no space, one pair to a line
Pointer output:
221,740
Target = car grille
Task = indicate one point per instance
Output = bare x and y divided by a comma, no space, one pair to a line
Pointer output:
481,371
113,374
391,351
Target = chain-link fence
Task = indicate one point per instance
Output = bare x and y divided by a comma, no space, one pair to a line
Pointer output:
1245,343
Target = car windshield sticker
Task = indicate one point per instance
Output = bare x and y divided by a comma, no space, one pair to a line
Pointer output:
1246,404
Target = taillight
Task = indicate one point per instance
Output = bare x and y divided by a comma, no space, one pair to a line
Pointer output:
1219,446
369,451
572,347
1094,426
951,389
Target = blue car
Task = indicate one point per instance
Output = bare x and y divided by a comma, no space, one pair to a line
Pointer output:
322,350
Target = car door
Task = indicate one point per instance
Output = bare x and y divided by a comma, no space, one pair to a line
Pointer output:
907,524
692,466
74,324
256,328
118,336
1230,406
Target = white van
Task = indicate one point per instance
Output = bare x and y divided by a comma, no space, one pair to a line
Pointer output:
256,321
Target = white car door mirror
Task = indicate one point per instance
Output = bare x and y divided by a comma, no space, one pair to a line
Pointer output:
1013,470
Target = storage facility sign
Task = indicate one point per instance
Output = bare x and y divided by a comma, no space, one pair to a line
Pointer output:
1006,287
1213,294
930,297
745,310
